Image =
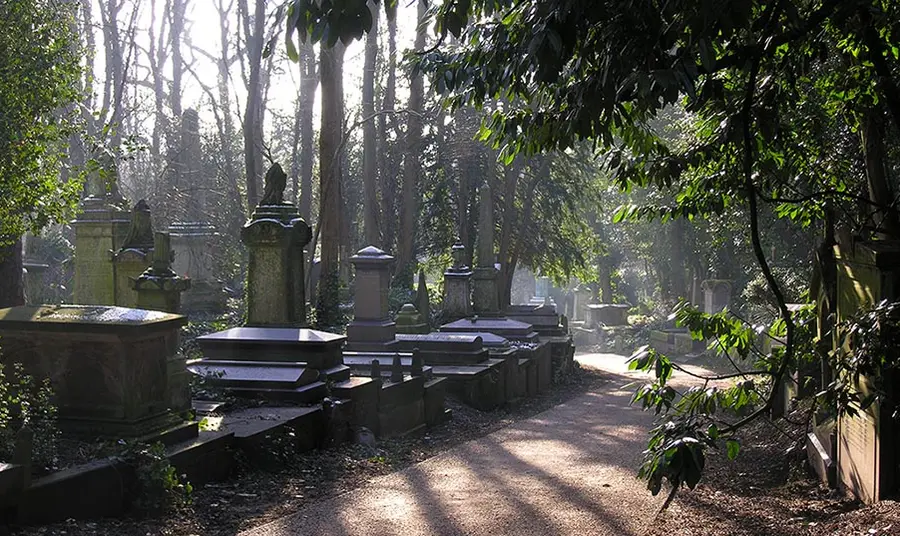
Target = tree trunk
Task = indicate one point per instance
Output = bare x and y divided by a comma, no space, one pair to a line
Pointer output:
371,230
509,221
253,129
388,174
885,220
309,79
331,70
412,165
12,284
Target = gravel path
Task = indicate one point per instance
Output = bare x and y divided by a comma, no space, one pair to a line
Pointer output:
569,470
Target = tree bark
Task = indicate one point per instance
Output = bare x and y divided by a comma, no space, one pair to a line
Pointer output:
12,284
253,129
309,79
412,166
886,222
330,214
387,173
371,228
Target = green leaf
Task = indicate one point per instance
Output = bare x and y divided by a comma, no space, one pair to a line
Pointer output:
733,447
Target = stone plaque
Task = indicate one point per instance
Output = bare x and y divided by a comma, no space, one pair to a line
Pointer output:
858,456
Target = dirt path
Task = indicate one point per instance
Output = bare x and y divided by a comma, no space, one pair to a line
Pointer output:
569,470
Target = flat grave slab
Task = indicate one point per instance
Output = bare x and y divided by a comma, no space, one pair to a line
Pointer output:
318,349
273,375
504,327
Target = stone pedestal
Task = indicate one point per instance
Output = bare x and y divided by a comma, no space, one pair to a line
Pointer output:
128,265
100,228
192,245
485,297
275,237
109,366
372,327
159,288
716,295
457,294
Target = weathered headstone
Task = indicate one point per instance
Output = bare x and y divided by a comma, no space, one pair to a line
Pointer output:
159,288
371,327
457,286
716,295
410,321
869,441
100,229
135,255
275,237
485,296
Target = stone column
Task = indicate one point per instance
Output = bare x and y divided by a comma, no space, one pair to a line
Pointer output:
100,229
372,326
457,286
485,297
159,288
275,237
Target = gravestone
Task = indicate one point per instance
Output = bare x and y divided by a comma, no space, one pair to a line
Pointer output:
135,255
868,443
485,295
716,295
275,237
100,229
193,244
457,286
607,314
371,327
111,368
583,295
423,302
159,288
409,320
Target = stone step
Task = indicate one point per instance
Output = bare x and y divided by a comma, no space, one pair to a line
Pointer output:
306,394
258,374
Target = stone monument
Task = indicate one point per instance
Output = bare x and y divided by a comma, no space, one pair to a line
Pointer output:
193,239
275,237
485,296
113,370
135,255
100,228
457,286
423,303
716,295
372,327
159,288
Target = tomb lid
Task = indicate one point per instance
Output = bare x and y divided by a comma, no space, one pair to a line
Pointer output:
490,340
83,318
431,342
505,327
272,335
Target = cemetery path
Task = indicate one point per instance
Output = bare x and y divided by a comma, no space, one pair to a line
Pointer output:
569,470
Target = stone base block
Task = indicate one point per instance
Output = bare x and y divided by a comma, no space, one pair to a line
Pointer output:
402,406
435,393
364,394
479,386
